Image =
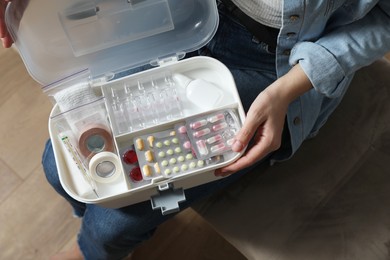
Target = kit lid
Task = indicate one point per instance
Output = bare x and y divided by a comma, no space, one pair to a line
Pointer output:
59,38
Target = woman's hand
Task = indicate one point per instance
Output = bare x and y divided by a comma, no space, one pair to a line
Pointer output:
265,119
4,34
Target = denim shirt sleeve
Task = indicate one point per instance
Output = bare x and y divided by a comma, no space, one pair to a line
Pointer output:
334,57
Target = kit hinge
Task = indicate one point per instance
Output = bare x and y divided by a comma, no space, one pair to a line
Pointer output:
166,60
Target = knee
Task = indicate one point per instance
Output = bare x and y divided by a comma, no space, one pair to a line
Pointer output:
114,232
131,224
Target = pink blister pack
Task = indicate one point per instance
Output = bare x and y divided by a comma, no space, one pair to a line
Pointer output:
213,134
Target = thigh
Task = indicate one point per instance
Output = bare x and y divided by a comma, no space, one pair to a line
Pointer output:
250,83
252,65
51,173
236,47
113,233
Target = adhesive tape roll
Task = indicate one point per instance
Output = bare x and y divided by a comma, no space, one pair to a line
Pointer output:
105,167
94,140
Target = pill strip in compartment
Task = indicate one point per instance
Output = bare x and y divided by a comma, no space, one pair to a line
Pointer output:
213,134
131,166
146,157
167,154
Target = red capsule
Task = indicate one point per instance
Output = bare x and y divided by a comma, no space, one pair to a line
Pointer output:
135,174
130,157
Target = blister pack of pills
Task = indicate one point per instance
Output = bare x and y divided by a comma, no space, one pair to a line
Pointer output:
212,134
178,151
164,154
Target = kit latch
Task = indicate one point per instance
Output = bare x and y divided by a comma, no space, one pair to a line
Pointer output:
168,198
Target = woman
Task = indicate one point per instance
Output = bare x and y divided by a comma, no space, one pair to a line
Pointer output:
292,63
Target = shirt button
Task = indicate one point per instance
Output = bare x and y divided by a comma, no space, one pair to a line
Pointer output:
294,17
291,34
287,52
297,120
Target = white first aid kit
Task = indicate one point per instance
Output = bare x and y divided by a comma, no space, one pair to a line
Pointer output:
122,138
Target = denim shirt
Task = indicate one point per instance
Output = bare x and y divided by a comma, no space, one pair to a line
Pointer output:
330,39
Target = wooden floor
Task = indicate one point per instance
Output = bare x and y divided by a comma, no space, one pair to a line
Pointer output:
35,223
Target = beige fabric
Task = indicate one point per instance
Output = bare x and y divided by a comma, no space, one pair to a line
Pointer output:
332,199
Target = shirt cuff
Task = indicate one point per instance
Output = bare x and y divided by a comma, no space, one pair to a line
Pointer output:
321,67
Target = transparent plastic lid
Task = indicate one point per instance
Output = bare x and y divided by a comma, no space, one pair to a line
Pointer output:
59,38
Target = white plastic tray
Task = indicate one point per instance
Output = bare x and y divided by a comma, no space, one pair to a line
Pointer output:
122,193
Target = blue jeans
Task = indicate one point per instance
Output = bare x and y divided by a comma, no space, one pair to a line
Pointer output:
114,233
